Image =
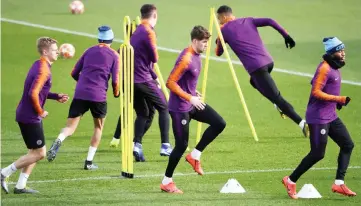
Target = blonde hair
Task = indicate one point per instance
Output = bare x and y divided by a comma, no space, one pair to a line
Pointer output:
44,43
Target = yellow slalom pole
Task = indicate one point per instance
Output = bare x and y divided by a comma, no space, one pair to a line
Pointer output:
126,59
130,109
122,78
137,20
126,32
235,78
121,95
205,71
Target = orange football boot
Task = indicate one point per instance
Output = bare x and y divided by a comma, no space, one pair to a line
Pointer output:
343,190
291,188
170,188
196,164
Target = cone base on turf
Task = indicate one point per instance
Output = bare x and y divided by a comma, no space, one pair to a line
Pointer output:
232,186
127,175
308,191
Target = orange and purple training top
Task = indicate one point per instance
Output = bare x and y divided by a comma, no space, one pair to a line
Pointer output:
92,73
242,36
36,90
325,94
144,44
182,82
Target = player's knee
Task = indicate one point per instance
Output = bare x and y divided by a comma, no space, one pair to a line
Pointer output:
277,98
40,154
98,124
143,113
348,147
163,109
220,125
142,117
181,146
317,156
178,151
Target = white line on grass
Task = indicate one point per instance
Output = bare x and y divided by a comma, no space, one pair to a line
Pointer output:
160,48
180,174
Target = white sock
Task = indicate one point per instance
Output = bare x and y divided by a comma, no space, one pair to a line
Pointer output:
9,170
196,154
339,182
302,123
166,180
115,139
290,181
61,137
91,153
168,144
23,178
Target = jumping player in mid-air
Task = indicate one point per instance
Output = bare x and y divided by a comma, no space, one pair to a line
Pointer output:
242,36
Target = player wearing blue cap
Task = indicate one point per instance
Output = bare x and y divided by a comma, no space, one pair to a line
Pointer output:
92,72
323,121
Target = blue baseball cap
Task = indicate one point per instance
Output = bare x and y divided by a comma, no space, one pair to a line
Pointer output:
332,45
105,34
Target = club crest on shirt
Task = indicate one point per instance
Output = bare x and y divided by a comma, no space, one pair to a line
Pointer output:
184,122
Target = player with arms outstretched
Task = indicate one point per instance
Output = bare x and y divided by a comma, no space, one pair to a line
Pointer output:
242,36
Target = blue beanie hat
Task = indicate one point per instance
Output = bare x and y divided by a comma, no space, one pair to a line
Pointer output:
332,45
105,34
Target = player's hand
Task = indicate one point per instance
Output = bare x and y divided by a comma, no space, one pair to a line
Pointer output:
44,114
117,95
290,43
197,102
63,98
339,106
198,93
